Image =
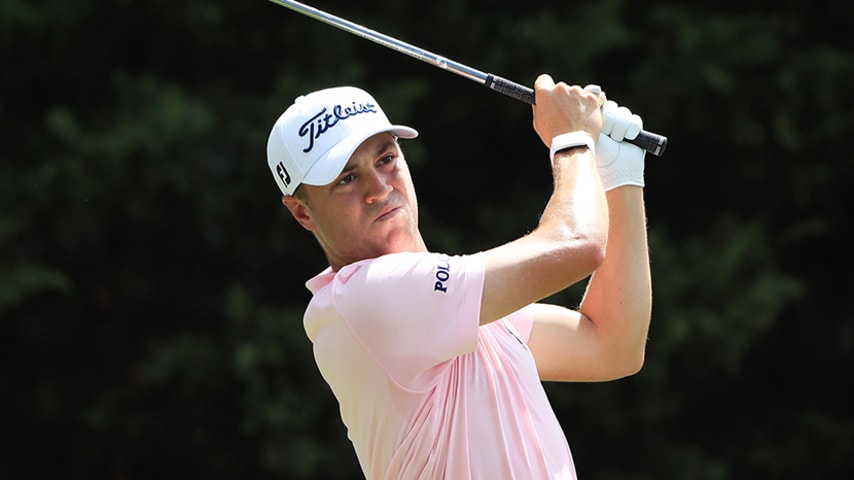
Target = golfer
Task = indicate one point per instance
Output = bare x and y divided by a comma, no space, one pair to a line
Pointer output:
437,359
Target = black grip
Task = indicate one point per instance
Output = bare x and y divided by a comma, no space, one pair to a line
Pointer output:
511,89
651,142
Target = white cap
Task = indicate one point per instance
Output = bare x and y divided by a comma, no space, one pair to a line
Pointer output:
313,140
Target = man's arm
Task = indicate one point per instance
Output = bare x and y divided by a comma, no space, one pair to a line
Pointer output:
569,242
606,338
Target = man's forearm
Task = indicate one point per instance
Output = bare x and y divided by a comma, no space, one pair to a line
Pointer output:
619,295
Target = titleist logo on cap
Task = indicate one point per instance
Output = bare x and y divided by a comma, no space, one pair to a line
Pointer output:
323,121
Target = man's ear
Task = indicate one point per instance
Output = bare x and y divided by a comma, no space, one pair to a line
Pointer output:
300,211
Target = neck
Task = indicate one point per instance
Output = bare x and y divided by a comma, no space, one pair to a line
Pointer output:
337,263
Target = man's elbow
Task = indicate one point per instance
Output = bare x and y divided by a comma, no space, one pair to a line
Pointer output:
581,248
589,252
597,251
635,364
631,362
623,361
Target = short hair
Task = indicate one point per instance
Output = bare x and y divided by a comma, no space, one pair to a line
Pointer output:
301,194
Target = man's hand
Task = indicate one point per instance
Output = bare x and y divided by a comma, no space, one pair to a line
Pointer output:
561,108
619,163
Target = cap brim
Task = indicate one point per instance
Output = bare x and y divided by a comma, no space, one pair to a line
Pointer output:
330,165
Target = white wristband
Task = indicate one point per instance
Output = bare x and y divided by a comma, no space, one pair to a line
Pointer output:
571,140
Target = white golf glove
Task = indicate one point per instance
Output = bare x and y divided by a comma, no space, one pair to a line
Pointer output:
620,163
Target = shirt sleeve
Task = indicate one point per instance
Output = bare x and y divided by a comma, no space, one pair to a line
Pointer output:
412,311
522,322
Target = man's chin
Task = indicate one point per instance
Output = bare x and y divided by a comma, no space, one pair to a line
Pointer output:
400,240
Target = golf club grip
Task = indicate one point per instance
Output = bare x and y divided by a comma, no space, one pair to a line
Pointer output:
651,142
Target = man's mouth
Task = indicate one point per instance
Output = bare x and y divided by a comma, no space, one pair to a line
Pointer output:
387,212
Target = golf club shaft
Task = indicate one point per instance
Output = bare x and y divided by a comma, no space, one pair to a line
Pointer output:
651,142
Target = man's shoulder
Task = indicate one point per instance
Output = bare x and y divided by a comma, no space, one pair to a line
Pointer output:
396,273
392,267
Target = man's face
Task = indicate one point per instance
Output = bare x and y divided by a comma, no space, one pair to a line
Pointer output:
369,210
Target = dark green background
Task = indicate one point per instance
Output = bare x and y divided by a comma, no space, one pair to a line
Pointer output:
151,283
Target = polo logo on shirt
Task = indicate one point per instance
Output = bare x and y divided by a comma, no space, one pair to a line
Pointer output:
443,274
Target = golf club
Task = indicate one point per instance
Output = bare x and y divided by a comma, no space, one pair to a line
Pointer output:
651,142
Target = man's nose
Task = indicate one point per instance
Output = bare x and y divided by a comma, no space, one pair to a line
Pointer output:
377,187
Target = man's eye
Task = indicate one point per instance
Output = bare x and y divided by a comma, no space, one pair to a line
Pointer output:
345,179
387,159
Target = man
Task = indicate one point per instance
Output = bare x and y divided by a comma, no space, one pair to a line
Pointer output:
437,360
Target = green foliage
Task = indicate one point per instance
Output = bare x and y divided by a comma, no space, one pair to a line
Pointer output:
276,370
731,268
152,286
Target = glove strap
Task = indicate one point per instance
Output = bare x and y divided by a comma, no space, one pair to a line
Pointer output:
566,141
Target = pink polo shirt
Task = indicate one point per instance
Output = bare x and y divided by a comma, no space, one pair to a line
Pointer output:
425,392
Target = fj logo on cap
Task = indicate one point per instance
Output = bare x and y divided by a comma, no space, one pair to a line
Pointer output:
323,121
283,174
